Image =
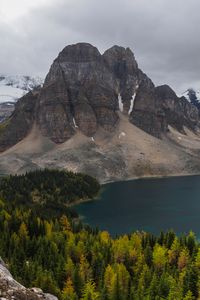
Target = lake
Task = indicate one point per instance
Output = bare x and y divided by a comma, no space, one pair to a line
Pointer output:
146,204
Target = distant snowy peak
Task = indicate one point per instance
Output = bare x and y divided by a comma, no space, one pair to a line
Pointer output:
193,96
26,83
191,93
14,87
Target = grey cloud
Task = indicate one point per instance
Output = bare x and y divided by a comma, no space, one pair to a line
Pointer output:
162,33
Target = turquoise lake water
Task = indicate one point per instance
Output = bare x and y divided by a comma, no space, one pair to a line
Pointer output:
147,204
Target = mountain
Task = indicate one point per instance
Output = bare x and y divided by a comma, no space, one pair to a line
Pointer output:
12,88
11,289
191,92
193,96
100,114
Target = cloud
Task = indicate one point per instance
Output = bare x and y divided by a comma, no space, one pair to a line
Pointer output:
162,33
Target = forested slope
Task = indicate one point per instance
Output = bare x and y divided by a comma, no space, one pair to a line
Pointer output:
74,262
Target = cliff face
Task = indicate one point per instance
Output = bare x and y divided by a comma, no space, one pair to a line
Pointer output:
6,110
146,114
84,90
15,128
157,107
11,289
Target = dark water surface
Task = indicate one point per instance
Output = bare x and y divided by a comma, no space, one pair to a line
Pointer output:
147,204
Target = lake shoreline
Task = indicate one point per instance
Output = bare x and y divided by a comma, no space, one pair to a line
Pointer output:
150,177
134,178
145,177
80,201
168,202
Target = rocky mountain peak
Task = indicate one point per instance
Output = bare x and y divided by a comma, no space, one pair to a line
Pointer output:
121,60
165,92
85,91
80,52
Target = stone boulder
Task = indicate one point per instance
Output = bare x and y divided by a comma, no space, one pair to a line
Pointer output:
10,289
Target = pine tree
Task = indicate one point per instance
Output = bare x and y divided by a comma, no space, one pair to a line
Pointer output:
183,259
159,257
68,292
23,232
110,282
89,292
189,296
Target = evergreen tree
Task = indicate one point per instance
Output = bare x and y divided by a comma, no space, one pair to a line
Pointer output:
68,292
89,292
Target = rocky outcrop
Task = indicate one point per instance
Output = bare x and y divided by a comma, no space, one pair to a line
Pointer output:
84,91
121,62
53,112
11,289
146,114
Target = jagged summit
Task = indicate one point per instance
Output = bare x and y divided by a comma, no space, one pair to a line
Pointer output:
82,90
86,92
81,52
87,84
165,91
120,53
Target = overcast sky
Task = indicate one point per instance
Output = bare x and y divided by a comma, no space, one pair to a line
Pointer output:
163,34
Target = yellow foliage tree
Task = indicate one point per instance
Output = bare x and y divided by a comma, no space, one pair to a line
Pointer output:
110,279
159,257
23,231
68,292
183,259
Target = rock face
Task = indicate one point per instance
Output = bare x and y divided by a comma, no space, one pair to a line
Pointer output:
11,289
6,110
19,124
178,112
84,91
146,114
157,107
121,62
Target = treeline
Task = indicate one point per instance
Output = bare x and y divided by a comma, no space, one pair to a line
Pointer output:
48,189
74,262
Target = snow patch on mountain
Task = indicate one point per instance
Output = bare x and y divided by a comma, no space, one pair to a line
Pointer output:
121,105
132,103
14,87
9,93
